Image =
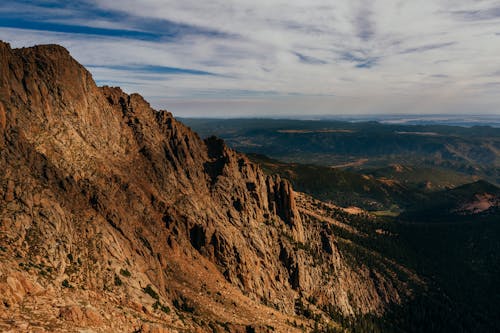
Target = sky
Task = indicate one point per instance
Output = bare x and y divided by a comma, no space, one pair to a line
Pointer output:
235,58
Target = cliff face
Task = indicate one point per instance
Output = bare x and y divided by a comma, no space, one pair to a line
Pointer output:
116,214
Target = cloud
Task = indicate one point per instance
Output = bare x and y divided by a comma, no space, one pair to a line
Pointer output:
154,69
361,61
77,29
74,17
309,60
369,63
478,15
363,22
264,57
427,47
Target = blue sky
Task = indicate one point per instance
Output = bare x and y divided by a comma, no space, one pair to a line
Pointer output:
279,58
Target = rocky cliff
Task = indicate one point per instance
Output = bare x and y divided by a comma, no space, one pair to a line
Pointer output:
116,217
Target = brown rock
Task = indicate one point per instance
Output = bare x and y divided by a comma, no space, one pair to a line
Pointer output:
9,192
80,316
73,314
3,118
114,196
16,288
152,328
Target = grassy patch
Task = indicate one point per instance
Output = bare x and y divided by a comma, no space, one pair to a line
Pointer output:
125,272
118,281
150,291
159,306
66,284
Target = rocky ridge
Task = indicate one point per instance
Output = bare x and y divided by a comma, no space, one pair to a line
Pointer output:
115,216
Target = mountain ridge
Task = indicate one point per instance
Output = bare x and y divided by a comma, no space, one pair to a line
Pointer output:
119,217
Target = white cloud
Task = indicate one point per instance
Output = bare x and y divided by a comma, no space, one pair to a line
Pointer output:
314,56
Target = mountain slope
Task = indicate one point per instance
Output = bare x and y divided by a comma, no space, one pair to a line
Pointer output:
345,188
479,198
118,217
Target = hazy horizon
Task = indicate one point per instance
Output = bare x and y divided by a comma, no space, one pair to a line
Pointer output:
389,119
279,59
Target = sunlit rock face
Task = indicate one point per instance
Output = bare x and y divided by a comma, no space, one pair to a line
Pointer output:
114,214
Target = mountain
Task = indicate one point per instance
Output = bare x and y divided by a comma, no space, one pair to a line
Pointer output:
479,198
458,153
117,217
430,209
402,192
449,236
343,187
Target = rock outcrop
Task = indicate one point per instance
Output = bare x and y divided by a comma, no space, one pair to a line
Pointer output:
114,214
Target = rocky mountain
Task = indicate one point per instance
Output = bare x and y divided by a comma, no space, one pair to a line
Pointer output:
117,217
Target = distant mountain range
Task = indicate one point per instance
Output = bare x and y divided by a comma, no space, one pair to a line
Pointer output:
470,151
490,120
